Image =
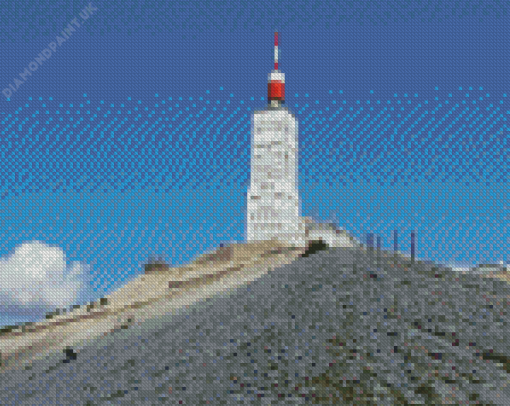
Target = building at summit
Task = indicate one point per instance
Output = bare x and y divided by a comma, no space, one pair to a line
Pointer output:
273,204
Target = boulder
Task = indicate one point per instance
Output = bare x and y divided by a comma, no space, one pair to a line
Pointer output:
156,266
222,254
315,246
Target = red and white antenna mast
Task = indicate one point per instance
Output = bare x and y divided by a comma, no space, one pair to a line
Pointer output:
276,84
275,51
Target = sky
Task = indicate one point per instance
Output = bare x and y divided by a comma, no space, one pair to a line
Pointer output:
128,136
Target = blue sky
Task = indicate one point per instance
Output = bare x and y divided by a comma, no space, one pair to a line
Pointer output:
131,138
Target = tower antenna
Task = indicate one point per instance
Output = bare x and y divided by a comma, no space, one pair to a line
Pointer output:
276,50
276,84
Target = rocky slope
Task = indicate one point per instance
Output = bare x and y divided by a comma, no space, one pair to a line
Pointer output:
160,290
342,326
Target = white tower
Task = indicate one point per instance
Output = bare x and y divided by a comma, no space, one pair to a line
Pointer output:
273,210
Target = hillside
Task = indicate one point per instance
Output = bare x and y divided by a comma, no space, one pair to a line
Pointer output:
341,326
144,297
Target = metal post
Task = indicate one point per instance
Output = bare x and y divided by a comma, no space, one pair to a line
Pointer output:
412,246
370,241
378,246
395,242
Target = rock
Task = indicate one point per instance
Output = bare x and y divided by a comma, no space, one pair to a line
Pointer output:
222,254
315,246
157,266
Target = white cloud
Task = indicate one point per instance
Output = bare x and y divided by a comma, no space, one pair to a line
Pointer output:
36,275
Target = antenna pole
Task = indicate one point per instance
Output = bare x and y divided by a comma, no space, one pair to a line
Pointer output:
276,84
276,51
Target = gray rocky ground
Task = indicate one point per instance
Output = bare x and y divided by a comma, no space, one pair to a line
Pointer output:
337,327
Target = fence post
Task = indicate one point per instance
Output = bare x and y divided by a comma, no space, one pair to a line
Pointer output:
395,243
378,247
412,246
370,242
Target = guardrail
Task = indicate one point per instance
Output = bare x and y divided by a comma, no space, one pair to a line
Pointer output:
371,247
480,268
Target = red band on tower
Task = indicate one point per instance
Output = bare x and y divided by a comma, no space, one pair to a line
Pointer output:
276,90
